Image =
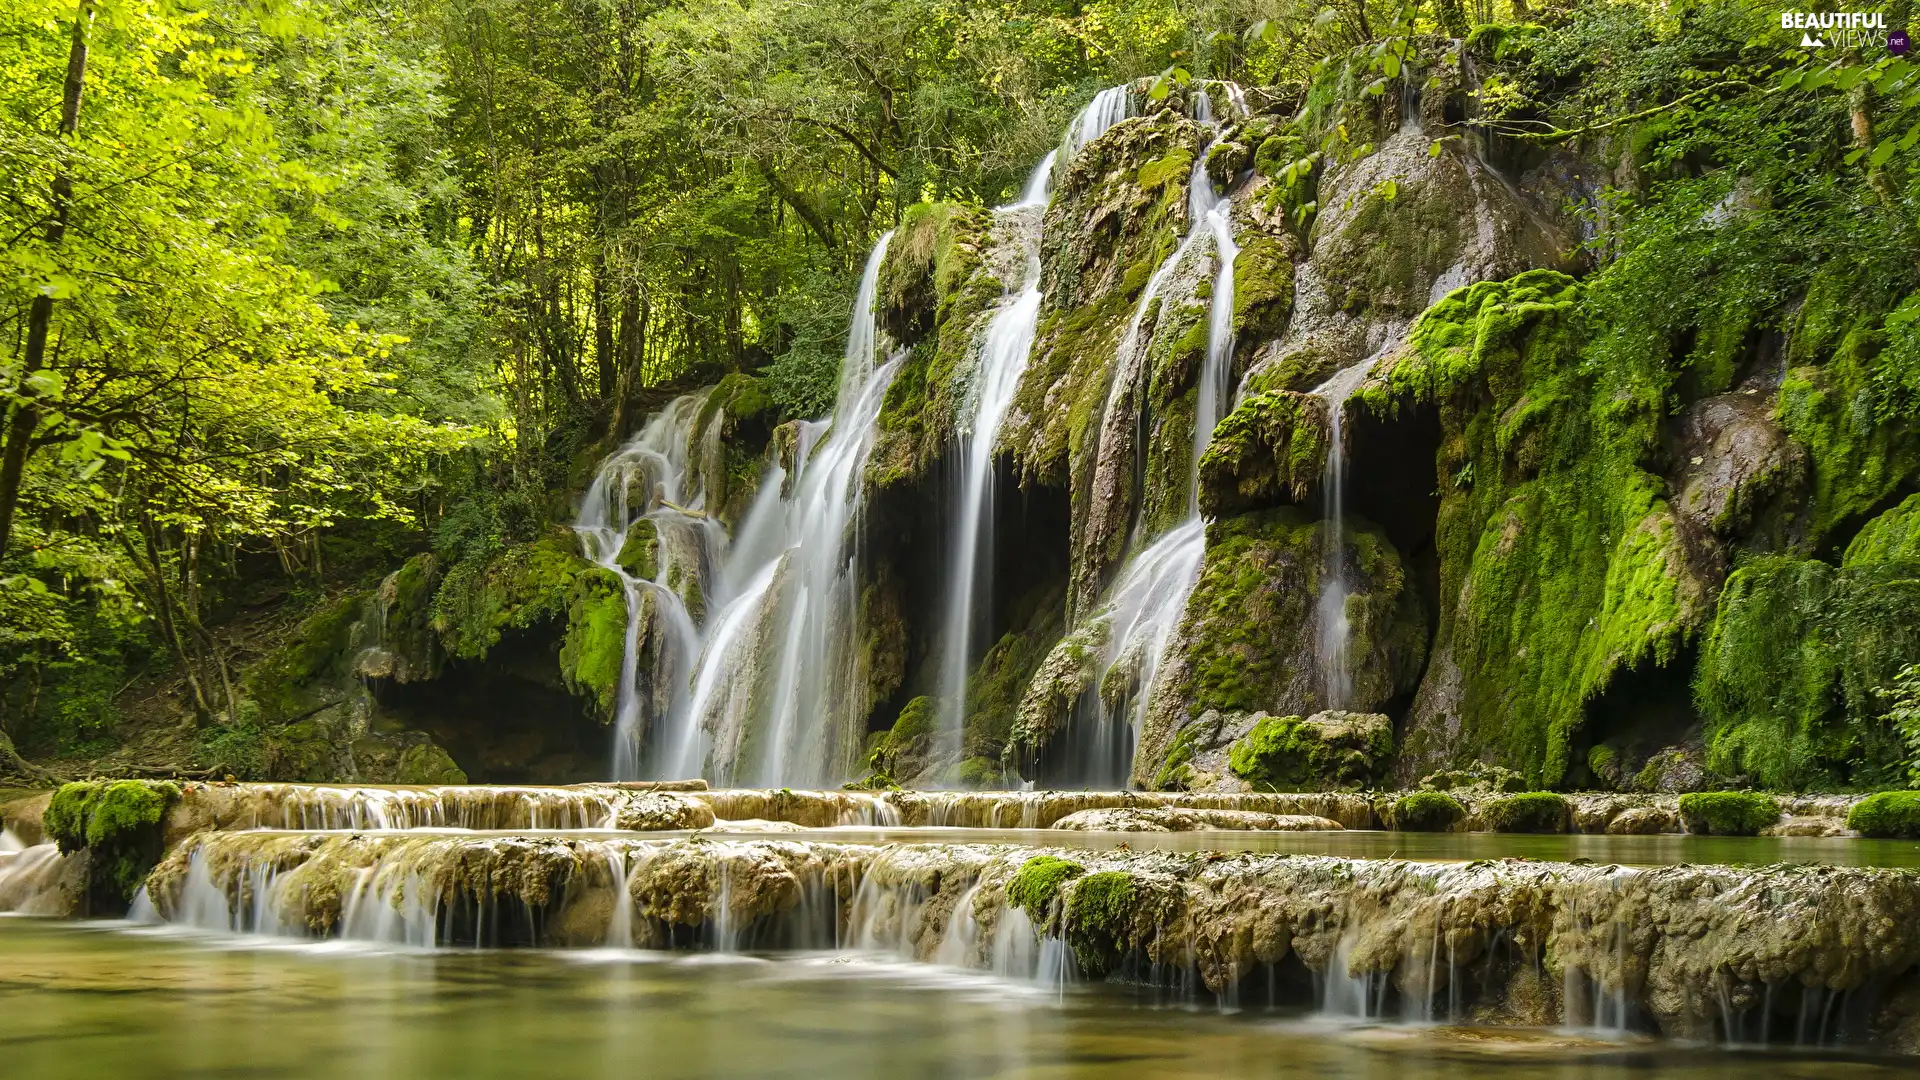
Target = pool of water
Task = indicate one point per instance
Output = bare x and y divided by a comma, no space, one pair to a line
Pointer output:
93,1000
1667,850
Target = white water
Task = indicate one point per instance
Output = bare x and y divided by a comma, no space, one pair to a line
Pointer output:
1004,351
653,467
794,691
1335,626
1144,605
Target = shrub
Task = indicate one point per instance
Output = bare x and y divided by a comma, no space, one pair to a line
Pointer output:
1728,813
1527,812
1889,815
1425,811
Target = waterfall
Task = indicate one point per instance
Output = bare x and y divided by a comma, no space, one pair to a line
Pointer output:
793,692
642,481
1144,605
1004,350
1335,629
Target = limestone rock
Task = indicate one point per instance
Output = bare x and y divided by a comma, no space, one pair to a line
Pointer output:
1177,819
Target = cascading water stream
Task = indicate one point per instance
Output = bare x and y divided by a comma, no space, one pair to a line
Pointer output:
1335,628
1147,599
653,466
799,555
1004,350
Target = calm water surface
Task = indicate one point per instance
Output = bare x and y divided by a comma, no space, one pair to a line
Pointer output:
81,1000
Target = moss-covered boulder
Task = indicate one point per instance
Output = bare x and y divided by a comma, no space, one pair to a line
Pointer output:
1269,451
118,823
1527,812
1887,815
1425,811
1728,813
1249,640
1326,750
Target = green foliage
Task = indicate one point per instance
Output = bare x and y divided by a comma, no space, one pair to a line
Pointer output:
1791,674
1728,813
523,586
1887,815
1425,811
1037,883
1527,812
1904,715
1892,537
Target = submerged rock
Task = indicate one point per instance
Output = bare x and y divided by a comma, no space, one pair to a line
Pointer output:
1178,819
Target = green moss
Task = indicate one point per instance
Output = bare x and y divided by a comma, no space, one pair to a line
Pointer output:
521,587
118,822
1425,811
1288,753
1728,813
1176,772
1790,674
1561,563
1887,815
1268,451
1037,883
317,647
1527,812
1098,919
1892,537
593,650
995,688
640,550
409,616
902,750
1177,165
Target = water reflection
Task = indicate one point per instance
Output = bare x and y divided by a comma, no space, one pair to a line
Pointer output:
85,1001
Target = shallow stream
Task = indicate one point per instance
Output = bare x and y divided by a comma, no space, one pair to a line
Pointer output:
103,1000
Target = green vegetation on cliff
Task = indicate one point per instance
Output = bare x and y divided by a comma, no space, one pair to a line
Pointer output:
117,822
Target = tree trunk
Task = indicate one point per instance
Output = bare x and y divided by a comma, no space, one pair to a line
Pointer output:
26,415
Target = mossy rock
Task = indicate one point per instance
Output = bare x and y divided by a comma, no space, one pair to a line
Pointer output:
1425,811
1269,451
1037,884
1098,918
520,588
1887,815
902,750
1728,813
1176,769
640,550
1291,753
593,650
1527,812
318,648
119,824
1892,537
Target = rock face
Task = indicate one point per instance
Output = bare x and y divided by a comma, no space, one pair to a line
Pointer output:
1692,952
1251,639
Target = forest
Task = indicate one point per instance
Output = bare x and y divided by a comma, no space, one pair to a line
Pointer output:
1504,387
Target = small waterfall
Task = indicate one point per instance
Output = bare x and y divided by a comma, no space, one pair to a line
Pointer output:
642,481
792,693
1335,627
1146,602
1004,351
